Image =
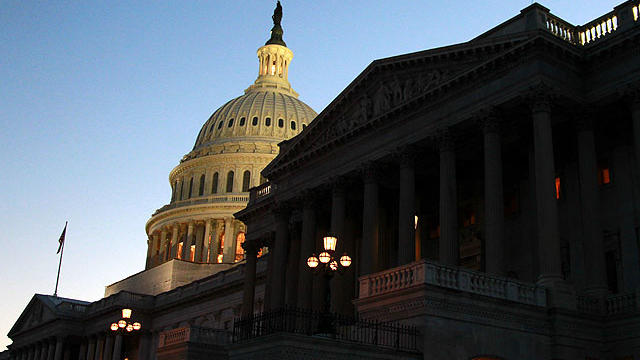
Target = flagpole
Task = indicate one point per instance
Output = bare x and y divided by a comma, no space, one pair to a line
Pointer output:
55,293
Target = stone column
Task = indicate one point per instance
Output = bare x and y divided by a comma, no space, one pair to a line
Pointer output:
493,197
38,350
635,119
547,210
206,241
307,247
82,353
32,351
199,242
293,265
280,257
186,246
117,348
51,349
215,240
91,348
369,246
108,347
149,251
163,246
341,285
228,250
249,289
59,347
99,347
269,243
145,344
44,350
174,240
449,247
589,196
406,210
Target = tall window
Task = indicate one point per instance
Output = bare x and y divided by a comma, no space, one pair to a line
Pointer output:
267,121
246,180
230,181
181,188
201,190
239,256
190,188
293,125
254,121
214,184
242,121
280,123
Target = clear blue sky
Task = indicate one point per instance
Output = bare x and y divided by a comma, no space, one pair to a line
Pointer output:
100,100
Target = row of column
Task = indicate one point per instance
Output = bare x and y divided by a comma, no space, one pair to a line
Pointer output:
102,347
550,273
163,244
48,349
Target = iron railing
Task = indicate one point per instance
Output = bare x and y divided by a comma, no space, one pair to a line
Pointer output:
335,326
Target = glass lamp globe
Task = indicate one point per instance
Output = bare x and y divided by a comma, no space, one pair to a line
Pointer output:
114,327
312,261
126,313
137,326
330,243
345,260
122,324
324,257
129,328
333,265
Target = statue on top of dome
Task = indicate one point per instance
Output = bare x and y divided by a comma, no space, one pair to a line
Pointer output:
276,31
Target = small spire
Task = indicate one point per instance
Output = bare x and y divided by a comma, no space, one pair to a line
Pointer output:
276,30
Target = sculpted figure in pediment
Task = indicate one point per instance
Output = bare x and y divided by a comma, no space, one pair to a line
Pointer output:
366,108
396,91
382,100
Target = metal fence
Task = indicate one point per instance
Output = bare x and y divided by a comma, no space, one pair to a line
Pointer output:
307,322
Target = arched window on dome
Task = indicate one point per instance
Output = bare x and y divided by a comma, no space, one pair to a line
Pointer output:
242,121
201,189
254,122
230,123
214,184
246,180
173,190
211,128
280,123
293,125
230,182
190,188
181,189
267,121
220,124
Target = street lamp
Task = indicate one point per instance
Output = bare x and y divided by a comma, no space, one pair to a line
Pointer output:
328,265
124,325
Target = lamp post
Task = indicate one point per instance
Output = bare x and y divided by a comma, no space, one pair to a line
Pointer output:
328,264
123,326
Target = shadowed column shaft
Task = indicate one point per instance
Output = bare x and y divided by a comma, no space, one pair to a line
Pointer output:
406,212
493,200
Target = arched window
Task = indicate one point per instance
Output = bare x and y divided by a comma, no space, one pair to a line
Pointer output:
190,188
173,190
181,188
242,121
220,124
230,181
214,184
211,128
246,180
293,125
267,121
254,122
280,123
201,190
230,123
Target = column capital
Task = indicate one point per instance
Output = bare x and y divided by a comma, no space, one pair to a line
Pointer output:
406,155
489,119
445,139
540,97
631,93
371,172
251,247
584,119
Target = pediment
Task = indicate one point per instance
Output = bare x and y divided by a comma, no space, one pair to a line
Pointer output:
386,86
37,312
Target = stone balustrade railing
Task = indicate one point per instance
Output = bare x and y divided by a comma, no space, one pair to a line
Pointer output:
430,273
174,336
625,15
210,199
623,303
261,192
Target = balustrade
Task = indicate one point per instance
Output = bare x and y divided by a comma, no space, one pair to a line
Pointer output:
430,273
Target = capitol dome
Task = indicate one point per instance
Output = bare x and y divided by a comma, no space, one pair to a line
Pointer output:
212,181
